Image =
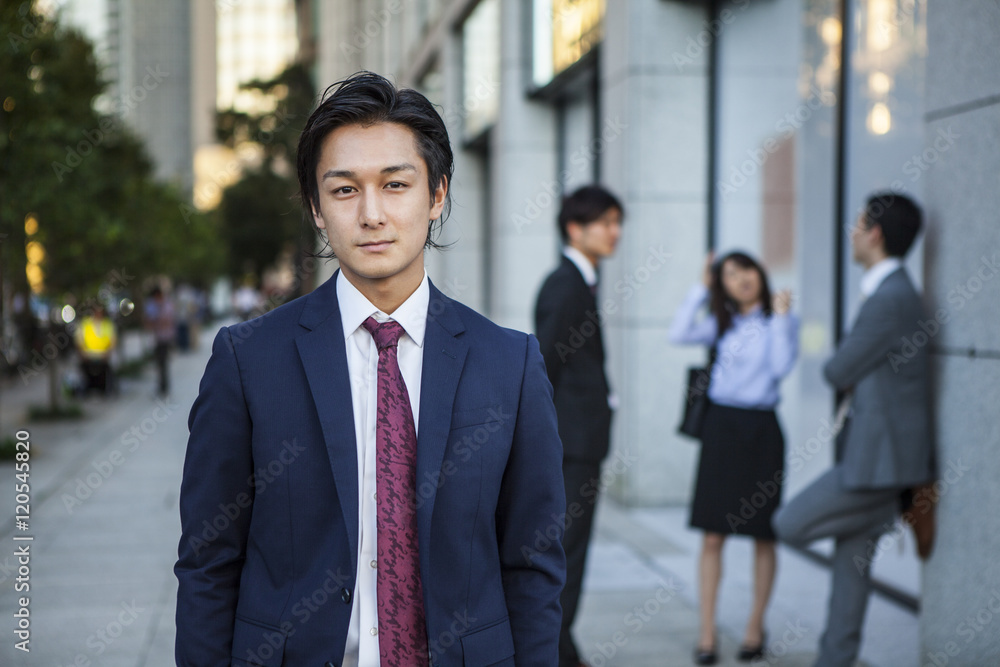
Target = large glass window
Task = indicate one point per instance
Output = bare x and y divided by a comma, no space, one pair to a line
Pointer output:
563,32
777,72
884,127
579,143
481,68
800,141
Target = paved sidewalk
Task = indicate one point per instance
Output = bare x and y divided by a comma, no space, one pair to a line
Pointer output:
639,607
105,526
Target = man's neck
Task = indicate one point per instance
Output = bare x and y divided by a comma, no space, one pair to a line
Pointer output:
387,294
874,259
594,260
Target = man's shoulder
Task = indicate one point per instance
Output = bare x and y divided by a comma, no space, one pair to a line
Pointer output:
478,324
565,278
896,283
484,333
897,294
280,322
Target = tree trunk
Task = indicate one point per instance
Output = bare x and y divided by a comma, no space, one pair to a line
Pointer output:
54,389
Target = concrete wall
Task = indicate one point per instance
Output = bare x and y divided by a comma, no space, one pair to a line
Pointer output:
960,619
157,84
654,123
523,165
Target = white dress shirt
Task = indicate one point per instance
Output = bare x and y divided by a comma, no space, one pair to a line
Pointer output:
874,276
362,366
587,269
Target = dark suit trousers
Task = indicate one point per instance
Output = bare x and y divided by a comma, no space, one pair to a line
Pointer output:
582,480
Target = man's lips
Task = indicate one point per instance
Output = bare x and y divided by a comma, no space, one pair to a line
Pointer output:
375,245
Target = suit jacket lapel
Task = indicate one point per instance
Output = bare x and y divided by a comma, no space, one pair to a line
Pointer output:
324,358
444,358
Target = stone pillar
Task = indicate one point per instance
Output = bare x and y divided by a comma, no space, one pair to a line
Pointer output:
960,609
458,270
654,120
523,240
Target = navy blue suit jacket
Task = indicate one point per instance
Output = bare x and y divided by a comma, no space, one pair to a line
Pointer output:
269,502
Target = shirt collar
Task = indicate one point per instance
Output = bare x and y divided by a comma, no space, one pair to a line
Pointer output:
756,311
874,276
355,308
587,269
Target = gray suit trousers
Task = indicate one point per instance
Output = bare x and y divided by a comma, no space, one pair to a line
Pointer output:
855,519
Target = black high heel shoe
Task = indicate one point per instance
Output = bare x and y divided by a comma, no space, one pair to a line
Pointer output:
750,653
703,657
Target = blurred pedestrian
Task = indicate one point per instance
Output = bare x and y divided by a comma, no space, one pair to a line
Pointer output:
160,321
96,340
884,449
246,300
754,339
568,326
186,313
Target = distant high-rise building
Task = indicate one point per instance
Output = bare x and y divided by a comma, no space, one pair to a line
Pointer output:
159,59
257,39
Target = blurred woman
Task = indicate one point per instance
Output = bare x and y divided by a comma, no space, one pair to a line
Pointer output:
741,469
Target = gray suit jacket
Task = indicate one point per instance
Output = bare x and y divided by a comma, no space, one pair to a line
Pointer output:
888,444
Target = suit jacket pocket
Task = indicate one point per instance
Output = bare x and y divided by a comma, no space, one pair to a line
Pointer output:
477,416
257,644
492,645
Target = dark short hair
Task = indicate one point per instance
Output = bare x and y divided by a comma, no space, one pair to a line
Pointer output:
899,217
586,205
366,99
721,304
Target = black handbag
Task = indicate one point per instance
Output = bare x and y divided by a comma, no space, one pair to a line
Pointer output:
696,398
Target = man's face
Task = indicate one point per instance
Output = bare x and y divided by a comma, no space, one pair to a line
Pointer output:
863,240
374,204
598,239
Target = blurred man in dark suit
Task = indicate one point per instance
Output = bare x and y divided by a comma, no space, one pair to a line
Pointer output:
568,326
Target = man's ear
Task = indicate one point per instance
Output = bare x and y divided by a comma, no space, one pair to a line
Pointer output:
317,215
439,198
573,230
878,236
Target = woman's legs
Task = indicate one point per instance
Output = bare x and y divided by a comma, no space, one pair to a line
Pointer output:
764,565
709,574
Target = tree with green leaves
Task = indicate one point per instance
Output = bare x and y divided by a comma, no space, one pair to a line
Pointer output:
82,177
260,213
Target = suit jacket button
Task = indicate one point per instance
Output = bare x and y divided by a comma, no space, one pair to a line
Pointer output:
329,664
345,595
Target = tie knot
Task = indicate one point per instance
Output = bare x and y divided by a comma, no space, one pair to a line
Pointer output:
385,334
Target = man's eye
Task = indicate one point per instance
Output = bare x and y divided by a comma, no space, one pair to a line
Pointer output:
395,185
343,190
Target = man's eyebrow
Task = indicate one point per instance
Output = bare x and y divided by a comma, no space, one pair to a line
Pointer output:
346,173
405,166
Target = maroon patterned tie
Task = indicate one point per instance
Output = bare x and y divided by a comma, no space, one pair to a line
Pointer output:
401,625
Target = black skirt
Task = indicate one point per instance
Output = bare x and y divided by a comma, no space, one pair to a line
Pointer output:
740,472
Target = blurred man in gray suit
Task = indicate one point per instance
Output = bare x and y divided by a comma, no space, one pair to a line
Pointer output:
885,449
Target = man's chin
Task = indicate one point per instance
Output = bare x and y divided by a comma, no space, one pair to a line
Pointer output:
375,269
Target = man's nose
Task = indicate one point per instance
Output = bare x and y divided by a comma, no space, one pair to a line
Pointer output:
372,210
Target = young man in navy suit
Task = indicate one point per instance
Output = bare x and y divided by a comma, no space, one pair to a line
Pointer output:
327,456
